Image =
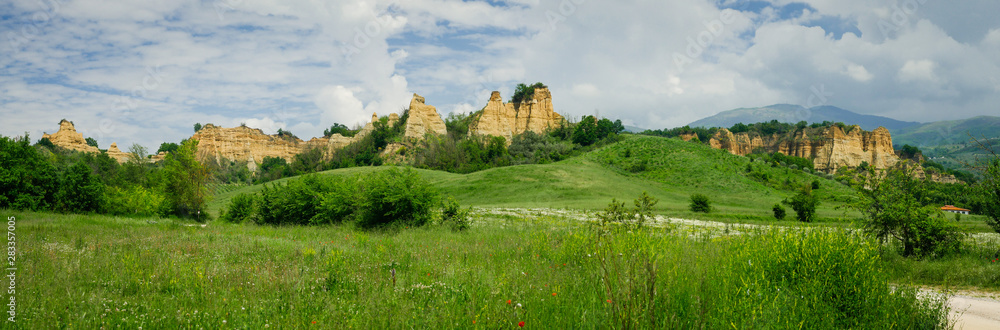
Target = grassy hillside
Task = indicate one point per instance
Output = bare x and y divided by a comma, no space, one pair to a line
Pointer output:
953,132
674,170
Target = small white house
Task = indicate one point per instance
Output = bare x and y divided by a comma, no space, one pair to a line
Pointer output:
953,209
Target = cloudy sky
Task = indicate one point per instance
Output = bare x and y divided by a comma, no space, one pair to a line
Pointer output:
145,71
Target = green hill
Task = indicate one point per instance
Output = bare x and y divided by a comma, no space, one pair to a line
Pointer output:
788,113
947,132
672,170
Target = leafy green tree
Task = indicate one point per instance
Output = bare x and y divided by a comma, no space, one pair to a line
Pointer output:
396,197
524,92
167,147
586,132
338,128
27,180
989,192
80,191
197,127
45,142
909,152
804,203
891,208
91,142
185,182
779,211
700,203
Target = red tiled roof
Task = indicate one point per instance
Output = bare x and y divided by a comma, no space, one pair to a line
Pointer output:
952,208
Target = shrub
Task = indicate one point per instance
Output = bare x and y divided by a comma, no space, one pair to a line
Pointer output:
634,218
395,197
700,203
779,211
134,200
454,216
186,177
80,190
242,208
804,204
815,184
891,209
27,180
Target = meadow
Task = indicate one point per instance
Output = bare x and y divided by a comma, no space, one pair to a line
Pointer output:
506,271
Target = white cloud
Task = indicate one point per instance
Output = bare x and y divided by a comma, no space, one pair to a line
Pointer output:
917,70
303,65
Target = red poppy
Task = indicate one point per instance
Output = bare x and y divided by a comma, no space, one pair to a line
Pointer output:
314,322
609,301
508,301
520,324
553,294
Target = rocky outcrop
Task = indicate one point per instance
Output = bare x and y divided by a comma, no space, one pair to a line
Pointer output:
241,143
67,137
252,145
508,119
423,119
117,154
830,148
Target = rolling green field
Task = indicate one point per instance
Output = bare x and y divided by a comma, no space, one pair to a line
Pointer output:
98,271
547,269
674,170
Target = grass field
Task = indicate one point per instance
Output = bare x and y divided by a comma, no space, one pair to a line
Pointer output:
674,170
96,271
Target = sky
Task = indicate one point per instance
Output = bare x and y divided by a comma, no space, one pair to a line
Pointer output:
146,71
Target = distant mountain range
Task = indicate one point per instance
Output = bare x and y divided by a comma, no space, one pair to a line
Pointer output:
789,113
948,132
903,132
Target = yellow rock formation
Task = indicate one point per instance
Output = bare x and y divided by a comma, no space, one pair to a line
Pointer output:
423,119
117,154
241,143
829,149
67,137
508,119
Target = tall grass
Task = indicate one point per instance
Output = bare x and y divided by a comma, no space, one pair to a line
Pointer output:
96,271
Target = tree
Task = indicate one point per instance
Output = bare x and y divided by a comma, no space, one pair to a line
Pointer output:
524,92
989,193
338,128
700,203
779,211
804,204
167,147
586,131
91,142
185,181
80,190
197,127
891,208
27,180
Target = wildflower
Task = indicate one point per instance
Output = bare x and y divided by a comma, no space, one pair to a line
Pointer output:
609,301
508,301
314,322
553,294
520,324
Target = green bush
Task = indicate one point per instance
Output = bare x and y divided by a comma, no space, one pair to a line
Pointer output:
815,184
453,216
779,211
80,190
27,180
133,200
242,208
395,197
804,204
700,203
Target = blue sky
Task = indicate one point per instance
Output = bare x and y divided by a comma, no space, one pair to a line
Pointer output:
145,71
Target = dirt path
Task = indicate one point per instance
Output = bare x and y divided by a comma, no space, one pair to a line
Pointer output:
974,312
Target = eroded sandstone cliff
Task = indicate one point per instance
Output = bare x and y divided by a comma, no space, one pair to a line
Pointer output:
509,119
67,137
241,143
423,119
829,148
